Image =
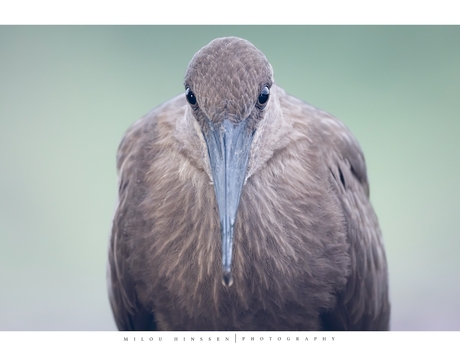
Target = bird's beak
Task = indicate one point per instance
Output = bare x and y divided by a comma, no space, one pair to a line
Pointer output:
228,145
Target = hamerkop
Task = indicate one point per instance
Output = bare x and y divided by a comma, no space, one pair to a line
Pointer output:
243,208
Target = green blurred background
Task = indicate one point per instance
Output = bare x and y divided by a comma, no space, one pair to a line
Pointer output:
68,93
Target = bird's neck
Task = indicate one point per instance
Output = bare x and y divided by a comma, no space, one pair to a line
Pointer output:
273,134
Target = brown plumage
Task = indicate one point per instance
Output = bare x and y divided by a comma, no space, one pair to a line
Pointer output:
300,249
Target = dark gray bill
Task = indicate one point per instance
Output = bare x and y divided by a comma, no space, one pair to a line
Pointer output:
228,145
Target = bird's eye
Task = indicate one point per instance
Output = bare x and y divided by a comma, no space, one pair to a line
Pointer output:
191,98
263,96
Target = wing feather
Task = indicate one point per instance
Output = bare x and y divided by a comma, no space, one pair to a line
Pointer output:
128,312
363,304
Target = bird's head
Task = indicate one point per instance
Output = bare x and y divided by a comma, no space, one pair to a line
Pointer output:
228,87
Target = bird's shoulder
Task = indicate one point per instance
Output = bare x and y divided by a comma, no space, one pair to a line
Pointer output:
143,132
328,135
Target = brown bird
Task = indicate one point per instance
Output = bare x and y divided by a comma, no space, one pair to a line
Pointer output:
243,208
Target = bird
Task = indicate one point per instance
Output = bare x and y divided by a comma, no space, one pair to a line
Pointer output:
241,207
